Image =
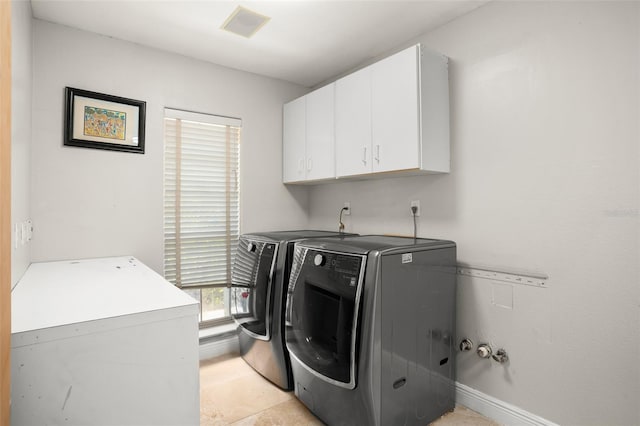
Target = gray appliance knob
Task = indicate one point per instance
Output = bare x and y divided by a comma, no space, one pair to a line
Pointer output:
318,260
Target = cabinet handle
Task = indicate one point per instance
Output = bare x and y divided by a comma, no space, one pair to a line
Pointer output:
364,155
377,157
301,165
309,165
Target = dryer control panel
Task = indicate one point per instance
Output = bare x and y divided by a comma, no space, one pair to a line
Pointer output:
333,272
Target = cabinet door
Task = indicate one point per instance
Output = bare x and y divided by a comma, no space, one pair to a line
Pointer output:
395,112
293,140
320,133
353,124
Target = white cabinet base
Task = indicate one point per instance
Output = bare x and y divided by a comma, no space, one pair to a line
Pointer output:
139,367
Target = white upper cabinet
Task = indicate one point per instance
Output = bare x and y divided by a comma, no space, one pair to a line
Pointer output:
353,124
320,134
308,151
293,141
395,111
392,116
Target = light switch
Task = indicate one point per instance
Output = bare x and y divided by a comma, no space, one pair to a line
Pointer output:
16,235
23,233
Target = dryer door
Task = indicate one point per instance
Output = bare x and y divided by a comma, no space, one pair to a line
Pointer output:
322,313
251,280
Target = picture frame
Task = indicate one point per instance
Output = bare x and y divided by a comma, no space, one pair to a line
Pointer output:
101,121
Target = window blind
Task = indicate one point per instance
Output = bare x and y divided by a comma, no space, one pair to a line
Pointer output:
201,198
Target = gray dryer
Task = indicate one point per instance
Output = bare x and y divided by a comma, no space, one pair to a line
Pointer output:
369,324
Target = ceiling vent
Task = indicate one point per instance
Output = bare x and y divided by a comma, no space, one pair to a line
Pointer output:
244,22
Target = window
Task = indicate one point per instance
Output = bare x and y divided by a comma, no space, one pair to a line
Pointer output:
201,207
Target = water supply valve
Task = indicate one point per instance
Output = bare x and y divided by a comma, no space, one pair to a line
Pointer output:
484,351
500,356
466,345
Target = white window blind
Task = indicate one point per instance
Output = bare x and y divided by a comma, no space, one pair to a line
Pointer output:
201,198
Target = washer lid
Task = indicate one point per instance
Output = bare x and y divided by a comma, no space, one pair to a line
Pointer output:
363,244
293,235
53,294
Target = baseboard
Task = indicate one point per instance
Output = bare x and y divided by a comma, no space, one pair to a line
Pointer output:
218,347
497,410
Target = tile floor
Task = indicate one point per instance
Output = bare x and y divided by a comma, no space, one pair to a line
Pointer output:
232,393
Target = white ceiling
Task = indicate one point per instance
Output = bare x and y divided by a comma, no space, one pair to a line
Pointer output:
305,42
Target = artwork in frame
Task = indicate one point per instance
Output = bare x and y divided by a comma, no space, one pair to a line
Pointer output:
96,120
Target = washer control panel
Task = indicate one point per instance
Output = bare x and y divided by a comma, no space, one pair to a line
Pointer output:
333,271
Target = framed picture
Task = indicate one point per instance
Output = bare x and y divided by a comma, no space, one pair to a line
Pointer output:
96,120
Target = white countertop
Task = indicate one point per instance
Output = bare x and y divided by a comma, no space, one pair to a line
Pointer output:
52,294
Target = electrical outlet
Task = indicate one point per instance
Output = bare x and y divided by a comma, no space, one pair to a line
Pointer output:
415,203
27,231
29,223
347,206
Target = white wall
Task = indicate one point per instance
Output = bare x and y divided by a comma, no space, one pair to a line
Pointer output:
92,203
21,64
544,177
